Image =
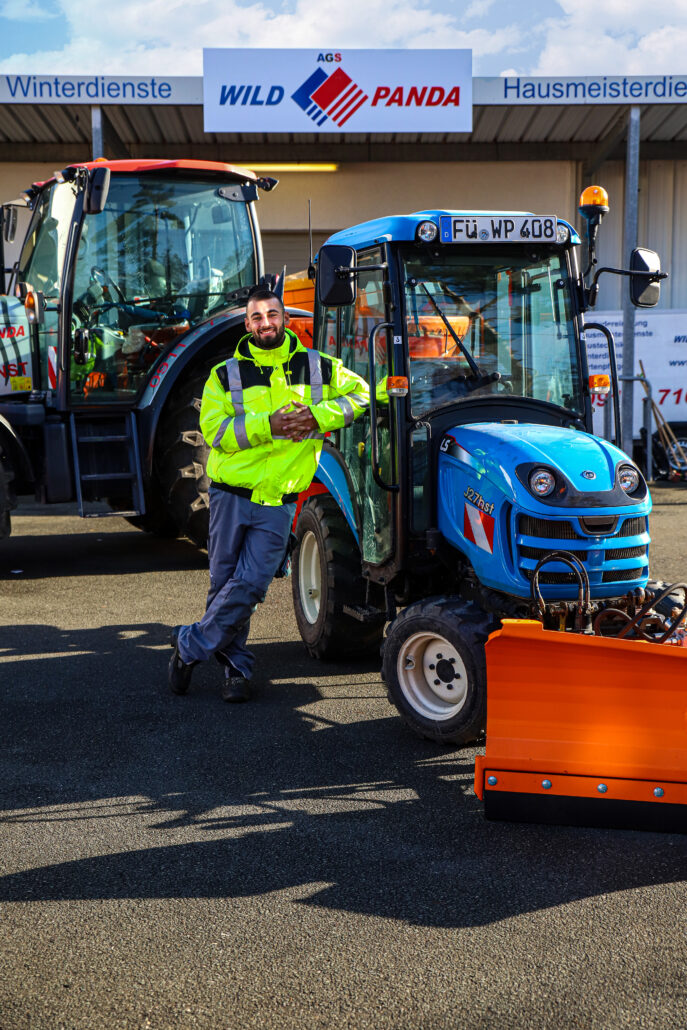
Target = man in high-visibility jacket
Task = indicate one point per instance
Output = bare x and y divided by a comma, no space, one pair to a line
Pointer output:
264,414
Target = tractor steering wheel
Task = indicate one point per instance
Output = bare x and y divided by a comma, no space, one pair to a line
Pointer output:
101,276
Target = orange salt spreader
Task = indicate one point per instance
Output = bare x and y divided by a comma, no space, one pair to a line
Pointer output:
585,730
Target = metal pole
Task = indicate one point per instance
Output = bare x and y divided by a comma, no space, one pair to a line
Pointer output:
646,402
97,138
608,432
629,243
647,414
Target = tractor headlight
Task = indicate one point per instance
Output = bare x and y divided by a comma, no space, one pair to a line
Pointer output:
542,482
628,477
426,232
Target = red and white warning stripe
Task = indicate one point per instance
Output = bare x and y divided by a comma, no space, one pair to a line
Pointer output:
478,527
52,367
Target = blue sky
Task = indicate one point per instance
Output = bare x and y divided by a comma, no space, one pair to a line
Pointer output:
539,37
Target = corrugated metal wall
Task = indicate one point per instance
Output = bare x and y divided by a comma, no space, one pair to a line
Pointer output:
290,249
662,218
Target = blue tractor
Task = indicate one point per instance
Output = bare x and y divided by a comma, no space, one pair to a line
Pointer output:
476,491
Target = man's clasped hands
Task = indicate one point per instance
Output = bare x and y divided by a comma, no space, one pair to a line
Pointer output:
293,421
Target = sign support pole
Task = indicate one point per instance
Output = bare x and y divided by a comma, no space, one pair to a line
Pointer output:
629,243
97,135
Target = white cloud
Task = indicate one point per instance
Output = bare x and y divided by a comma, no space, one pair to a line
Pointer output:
168,36
478,8
612,37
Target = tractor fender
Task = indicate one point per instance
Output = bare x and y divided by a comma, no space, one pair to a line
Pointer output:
15,452
332,474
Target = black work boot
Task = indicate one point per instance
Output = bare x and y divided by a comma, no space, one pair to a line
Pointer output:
179,672
235,687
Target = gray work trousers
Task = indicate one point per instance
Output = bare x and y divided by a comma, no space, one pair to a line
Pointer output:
246,545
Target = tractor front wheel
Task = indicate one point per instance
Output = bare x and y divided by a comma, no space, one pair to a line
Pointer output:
434,667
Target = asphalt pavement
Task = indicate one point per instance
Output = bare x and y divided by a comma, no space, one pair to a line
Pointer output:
301,861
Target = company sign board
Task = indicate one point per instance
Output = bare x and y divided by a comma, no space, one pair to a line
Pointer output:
337,90
506,91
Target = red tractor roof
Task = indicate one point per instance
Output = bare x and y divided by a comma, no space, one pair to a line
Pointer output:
155,164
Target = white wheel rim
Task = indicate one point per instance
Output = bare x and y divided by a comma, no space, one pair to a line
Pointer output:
310,577
432,676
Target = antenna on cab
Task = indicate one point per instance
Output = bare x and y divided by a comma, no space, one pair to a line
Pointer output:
311,266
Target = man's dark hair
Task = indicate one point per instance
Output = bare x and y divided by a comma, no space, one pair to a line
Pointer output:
263,293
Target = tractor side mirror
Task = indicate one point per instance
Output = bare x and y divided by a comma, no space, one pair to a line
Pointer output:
336,281
644,263
81,351
96,191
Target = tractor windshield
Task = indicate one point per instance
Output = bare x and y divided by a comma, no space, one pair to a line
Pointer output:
489,320
174,246
161,257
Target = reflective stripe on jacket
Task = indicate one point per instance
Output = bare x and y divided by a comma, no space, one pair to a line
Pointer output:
242,393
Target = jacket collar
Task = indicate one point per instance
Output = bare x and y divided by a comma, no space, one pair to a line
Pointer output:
243,349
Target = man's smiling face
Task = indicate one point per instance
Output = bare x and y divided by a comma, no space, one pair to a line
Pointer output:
265,320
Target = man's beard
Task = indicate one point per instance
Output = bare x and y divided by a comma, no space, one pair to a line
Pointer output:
270,345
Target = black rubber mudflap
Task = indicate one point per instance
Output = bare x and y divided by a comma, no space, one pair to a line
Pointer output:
557,810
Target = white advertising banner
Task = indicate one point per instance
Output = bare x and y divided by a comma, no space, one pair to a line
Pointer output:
516,90
99,89
661,346
337,90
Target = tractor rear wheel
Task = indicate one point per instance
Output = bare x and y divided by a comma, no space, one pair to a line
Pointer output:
181,461
325,577
434,667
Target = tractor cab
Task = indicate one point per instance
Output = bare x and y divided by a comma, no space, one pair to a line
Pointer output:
121,259
470,318
130,284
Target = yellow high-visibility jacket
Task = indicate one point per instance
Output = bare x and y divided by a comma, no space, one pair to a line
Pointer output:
242,393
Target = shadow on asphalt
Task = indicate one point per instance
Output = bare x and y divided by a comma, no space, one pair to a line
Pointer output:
376,820
46,556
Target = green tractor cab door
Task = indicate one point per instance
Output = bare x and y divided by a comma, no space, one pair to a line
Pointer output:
374,503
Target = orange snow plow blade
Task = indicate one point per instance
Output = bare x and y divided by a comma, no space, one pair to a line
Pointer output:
584,730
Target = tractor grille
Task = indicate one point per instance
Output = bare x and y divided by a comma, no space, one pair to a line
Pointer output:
633,527
553,577
626,552
621,575
550,529
596,557
540,552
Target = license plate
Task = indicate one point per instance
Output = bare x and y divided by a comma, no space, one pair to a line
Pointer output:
498,228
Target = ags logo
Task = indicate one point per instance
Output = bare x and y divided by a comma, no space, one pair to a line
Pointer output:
333,96
336,96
